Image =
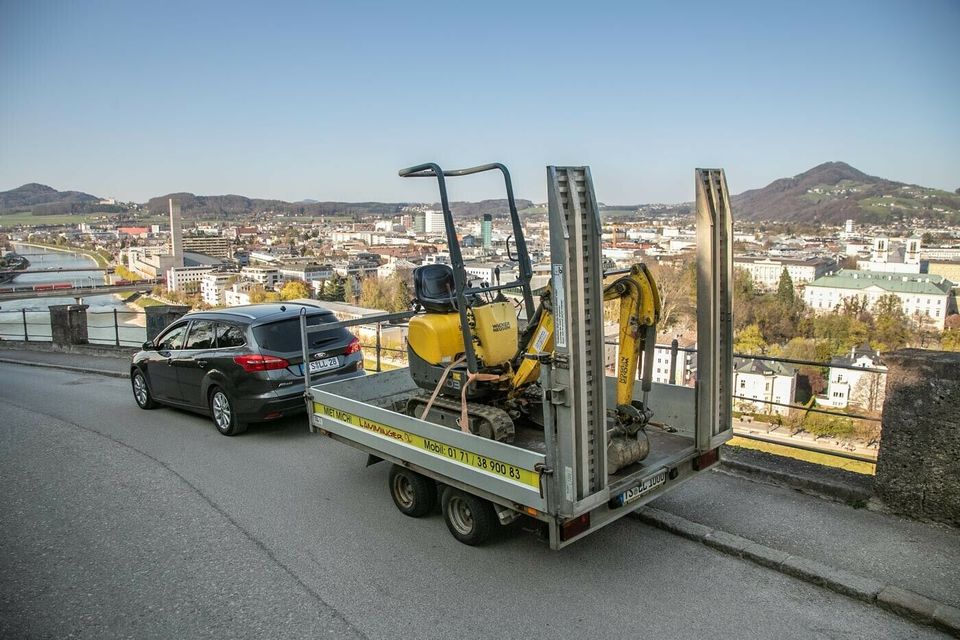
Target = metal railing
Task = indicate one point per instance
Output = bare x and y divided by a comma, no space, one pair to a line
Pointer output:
117,327
675,350
124,328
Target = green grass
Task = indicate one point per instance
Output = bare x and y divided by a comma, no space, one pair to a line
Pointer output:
28,219
146,301
866,468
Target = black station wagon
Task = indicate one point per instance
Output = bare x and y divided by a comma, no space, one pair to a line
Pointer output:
242,364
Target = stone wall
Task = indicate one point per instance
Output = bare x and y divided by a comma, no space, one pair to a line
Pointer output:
918,467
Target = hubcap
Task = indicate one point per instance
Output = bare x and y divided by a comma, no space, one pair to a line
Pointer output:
221,410
403,491
460,515
140,389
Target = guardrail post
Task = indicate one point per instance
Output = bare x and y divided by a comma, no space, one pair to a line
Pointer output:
116,328
68,324
378,347
674,345
26,337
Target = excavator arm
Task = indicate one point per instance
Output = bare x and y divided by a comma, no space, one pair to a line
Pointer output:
639,314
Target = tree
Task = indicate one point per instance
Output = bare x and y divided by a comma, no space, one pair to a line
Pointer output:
891,325
258,294
295,289
950,340
677,285
785,292
750,340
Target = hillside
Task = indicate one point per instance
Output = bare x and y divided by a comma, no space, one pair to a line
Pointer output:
834,191
42,199
233,205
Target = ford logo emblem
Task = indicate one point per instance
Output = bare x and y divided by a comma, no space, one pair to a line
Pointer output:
319,354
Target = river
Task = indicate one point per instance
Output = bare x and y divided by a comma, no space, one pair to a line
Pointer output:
100,314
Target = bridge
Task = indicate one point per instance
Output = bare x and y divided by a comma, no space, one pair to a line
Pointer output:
15,272
59,290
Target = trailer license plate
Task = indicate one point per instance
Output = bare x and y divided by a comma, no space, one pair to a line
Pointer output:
321,365
649,484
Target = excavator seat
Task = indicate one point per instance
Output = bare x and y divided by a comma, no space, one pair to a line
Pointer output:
433,287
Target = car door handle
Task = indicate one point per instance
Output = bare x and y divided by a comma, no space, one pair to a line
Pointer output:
202,364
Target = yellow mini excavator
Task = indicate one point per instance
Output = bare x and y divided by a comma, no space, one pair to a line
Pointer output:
479,372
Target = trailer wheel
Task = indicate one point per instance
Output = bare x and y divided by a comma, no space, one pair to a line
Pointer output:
470,519
414,495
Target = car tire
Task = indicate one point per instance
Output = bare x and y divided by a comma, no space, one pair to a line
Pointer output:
470,519
141,392
414,495
224,414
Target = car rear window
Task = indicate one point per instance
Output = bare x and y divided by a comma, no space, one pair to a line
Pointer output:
284,335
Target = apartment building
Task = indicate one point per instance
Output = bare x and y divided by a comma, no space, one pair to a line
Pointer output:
766,271
920,294
214,285
181,279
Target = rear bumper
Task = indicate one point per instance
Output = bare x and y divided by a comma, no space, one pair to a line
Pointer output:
286,401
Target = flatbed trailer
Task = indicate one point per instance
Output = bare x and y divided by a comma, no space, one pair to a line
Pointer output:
558,474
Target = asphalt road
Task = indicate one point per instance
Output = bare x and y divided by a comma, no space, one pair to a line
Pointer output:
117,522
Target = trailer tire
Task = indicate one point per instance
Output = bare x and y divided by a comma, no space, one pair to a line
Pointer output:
414,495
470,519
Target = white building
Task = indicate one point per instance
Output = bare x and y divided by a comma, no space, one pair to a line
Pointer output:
392,267
766,271
759,383
480,272
433,222
685,368
238,293
920,294
213,286
181,279
900,256
849,386
307,272
269,277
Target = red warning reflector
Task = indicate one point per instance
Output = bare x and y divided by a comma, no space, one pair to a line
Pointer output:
707,459
574,526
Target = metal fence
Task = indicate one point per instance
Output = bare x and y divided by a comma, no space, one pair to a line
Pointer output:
117,327
128,328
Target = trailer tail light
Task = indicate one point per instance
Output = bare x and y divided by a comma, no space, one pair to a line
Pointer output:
353,347
574,526
707,459
253,363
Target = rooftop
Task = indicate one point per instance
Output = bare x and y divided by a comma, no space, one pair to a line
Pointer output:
927,283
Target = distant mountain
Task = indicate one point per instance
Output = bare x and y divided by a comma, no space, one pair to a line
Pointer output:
834,191
234,205
42,199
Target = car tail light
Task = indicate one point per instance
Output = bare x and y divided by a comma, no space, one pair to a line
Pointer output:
710,457
252,363
353,347
574,526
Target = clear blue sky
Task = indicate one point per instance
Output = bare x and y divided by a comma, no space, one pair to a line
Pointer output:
300,100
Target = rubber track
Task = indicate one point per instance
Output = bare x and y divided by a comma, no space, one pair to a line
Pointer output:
501,425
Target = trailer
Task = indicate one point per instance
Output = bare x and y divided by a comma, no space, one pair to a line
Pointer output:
558,474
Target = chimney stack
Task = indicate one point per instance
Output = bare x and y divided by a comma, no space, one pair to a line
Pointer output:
176,234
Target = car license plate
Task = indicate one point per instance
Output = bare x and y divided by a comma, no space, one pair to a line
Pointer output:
322,365
648,484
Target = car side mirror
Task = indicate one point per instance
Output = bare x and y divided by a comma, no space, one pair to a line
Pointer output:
149,346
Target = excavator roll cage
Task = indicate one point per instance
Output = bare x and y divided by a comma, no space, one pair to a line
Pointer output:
461,291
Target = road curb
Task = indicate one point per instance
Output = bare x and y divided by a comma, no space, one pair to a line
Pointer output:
803,477
901,602
66,367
